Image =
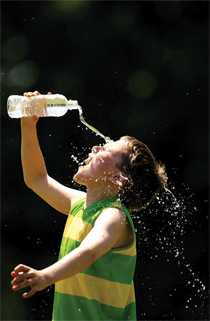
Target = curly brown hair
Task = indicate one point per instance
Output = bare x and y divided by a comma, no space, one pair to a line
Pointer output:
146,176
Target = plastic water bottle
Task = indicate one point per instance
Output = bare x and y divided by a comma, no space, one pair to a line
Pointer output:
55,105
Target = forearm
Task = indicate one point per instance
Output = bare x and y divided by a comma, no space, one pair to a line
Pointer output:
33,163
75,262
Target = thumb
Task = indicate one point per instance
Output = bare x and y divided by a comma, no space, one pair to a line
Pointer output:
28,294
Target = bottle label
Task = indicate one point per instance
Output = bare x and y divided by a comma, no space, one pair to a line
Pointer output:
56,105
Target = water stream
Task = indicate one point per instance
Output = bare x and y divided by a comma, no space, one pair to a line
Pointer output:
83,121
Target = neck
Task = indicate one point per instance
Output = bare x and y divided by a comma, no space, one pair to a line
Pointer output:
96,193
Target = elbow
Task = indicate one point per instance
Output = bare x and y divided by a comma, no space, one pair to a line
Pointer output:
31,182
27,181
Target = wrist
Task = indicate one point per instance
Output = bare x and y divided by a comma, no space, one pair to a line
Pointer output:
29,122
48,276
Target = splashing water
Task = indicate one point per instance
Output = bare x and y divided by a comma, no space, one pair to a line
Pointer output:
169,236
76,160
176,216
160,229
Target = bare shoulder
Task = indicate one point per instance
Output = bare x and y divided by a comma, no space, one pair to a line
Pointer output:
109,232
112,216
113,222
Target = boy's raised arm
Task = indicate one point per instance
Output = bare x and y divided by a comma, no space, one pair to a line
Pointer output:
35,173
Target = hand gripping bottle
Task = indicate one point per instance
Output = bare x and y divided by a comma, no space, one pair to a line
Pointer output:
55,105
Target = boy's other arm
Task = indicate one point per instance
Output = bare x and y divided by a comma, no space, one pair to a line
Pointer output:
105,234
35,173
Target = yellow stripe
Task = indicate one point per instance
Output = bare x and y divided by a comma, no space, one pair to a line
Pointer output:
76,229
131,297
131,251
106,292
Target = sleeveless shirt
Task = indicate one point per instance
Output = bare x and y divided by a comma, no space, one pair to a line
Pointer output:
104,291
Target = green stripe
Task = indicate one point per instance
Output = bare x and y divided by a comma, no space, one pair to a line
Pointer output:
91,213
114,267
75,308
67,245
77,206
105,267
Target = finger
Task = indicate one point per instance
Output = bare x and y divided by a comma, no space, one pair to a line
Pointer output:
35,93
18,287
17,280
21,277
23,284
21,268
24,275
28,294
30,93
14,274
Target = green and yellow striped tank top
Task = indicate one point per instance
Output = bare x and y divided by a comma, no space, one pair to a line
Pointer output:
105,290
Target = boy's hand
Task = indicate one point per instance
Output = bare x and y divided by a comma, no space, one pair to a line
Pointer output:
31,93
25,276
34,93
33,119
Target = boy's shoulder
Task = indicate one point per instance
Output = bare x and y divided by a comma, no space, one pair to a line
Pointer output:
112,216
115,221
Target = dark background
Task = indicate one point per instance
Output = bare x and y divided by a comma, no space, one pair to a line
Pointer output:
139,68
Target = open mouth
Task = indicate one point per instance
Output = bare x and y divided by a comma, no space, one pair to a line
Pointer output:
86,161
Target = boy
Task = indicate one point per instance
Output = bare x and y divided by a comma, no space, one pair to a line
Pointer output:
94,274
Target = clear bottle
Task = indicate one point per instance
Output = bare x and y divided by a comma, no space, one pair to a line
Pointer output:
55,105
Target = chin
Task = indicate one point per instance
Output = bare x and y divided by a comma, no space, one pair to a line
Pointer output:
80,178
77,178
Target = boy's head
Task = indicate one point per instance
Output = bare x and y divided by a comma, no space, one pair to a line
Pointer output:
103,165
145,174
126,167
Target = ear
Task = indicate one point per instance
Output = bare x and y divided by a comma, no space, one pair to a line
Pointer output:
119,179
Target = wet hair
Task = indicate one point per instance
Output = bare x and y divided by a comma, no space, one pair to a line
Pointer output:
146,176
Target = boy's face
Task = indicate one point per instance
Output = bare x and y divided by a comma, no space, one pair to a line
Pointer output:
102,163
